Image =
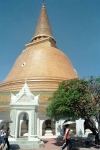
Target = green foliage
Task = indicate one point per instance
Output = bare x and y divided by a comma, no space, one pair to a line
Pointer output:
94,88
75,98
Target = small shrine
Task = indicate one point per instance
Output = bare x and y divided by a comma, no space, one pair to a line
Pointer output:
48,129
24,116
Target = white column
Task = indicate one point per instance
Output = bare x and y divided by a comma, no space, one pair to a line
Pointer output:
58,127
13,113
38,127
0,123
32,122
80,127
16,127
20,127
35,121
29,124
41,123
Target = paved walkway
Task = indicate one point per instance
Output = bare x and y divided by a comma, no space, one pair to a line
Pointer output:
55,144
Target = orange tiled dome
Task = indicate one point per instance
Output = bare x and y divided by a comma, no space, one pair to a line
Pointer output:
42,64
41,61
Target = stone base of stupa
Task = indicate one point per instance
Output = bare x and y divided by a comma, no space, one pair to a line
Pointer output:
25,143
48,132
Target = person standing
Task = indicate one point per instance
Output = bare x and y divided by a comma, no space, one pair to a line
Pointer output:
2,137
67,138
6,135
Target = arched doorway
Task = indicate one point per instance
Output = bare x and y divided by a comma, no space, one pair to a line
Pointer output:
48,125
23,124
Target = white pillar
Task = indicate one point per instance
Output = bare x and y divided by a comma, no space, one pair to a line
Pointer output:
41,123
32,122
13,113
35,121
20,127
58,128
38,127
0,123
80,127
16,127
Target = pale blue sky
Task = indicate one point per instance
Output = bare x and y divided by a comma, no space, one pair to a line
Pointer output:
75,25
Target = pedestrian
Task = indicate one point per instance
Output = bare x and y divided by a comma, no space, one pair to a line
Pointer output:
2,137
6,135
67,138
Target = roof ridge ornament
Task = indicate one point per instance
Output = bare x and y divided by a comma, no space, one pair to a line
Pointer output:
25,91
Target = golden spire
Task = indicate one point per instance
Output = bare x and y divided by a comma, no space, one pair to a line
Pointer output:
43,28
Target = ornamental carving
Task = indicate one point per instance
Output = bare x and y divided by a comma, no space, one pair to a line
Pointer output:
25,99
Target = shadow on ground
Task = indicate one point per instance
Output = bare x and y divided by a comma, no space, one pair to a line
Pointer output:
78,143
51,144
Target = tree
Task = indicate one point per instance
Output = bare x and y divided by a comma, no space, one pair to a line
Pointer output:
94,88
77,98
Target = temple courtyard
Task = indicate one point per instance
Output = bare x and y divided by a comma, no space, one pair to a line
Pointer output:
56,143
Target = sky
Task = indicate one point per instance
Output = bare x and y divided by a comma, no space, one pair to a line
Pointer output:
75,26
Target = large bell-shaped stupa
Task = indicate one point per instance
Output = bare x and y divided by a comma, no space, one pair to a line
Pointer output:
41,64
